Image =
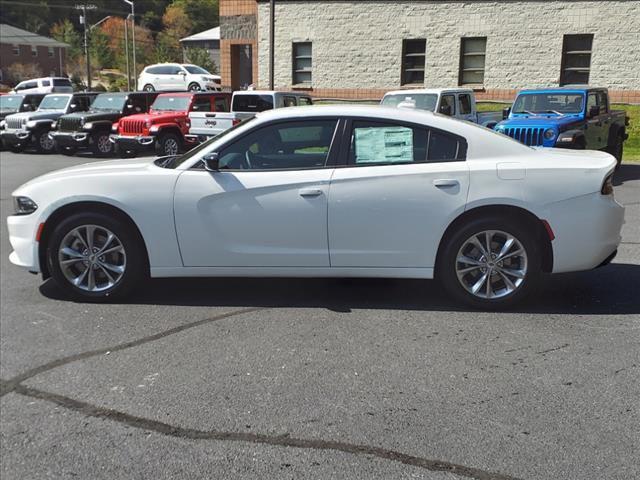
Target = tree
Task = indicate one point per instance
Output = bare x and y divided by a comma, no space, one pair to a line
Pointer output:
64,31
202,58
202,14
102,55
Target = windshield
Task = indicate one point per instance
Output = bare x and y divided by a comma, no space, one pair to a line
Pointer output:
558,103
10,103
194,69
174,161
423,101
109,102
171,104
252,103
54,102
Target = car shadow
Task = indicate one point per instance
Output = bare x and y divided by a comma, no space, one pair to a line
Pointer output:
626,172
606,291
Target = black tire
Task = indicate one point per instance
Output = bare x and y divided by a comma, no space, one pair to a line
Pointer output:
194,87
69,151
616,147
168,144
135,266
42,142
148,88
16,148
447,262
99,143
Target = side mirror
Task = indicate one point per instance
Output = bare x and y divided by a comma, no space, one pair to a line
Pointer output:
506,112
594,111
183,73
446,110
211,162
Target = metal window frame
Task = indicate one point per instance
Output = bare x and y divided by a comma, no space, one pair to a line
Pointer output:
461,68
566,54
403,70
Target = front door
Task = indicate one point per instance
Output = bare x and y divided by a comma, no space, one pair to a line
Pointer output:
594,131
266,206
402,186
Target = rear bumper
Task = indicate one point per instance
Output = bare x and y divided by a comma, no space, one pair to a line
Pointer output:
587,231
70,139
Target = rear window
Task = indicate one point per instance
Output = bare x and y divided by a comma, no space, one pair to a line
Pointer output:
61,82
252,103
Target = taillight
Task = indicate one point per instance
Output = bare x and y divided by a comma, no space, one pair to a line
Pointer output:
607,186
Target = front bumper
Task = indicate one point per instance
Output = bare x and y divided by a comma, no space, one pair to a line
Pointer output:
133,143
15,137
22,236
70,139
587,231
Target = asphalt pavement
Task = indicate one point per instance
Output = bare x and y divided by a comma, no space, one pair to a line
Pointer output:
340,379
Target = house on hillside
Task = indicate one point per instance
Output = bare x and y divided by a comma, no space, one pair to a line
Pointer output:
45,54
209,40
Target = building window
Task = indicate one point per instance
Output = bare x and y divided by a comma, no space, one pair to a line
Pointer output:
50,50
576,59
302,63
472,56
34,51
413,56
16,49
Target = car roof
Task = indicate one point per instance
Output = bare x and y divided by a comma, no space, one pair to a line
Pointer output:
563,89
270,92
435,91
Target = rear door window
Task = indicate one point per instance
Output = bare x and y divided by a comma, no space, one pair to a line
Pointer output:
221,104
61,82
252,103
304,101
465,104
447,105
46,83
289,101
201,104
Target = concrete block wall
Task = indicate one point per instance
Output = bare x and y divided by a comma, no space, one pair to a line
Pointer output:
357,45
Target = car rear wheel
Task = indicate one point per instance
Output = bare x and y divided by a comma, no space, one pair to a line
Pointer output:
168,144
149,88
44,143
95,257
491,263
101,145
616,148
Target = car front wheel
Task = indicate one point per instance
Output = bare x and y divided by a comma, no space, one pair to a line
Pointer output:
491,263
44,143
101,145
95,257
168,144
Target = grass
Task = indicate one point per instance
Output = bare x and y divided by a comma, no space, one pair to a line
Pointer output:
631,152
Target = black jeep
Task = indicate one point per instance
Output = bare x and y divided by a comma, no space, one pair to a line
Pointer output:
91,129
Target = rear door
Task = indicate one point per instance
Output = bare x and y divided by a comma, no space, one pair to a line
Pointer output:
465,107
400,188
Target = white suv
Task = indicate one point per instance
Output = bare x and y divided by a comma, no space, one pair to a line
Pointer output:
174,76
44,85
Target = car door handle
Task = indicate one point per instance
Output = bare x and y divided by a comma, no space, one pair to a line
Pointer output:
446,182
309,192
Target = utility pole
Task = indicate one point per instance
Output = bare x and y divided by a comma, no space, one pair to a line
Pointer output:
126,53
83,21
133,37
272,29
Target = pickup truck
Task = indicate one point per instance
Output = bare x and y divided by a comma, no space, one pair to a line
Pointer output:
244,105
566,117
91,129
454,102
165,125
32,128
14,103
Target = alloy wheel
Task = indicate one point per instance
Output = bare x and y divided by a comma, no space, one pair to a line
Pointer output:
92,258
46,143
170,147
491,264
104,144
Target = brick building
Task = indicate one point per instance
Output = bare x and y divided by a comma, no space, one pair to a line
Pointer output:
21,46
360,49
238,43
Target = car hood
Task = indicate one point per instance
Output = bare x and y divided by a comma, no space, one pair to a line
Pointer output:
48,114
108,167
540,121
95,116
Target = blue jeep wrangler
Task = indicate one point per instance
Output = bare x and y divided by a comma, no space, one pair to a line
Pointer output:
566,117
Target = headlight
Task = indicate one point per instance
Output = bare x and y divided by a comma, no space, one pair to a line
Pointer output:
2,123
153,129
24,205
87,126
31,124
148,124
114,127
549,133
54,124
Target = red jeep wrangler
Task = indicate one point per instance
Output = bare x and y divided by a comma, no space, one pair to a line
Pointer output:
166,124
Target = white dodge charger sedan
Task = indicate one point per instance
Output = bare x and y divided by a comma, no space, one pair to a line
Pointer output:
327,192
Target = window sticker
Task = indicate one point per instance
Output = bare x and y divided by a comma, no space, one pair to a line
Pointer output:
384,145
